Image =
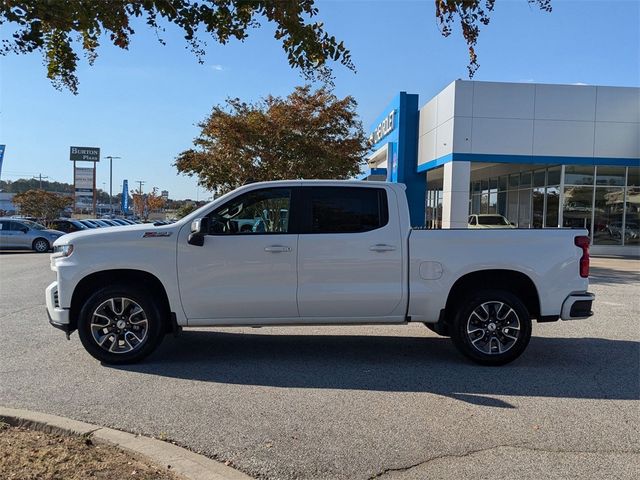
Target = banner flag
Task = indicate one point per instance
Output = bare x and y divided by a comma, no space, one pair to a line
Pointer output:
1,158
125,197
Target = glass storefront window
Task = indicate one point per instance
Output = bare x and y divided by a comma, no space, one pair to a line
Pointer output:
512,206
502,203
553,175
514,180
538,207
578,175
484,202
595,198
632,210
524,209
539,178
576,207
610,176
475,204
553,204
493,202
607,224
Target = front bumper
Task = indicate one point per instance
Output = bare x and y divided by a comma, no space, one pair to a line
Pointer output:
577,306
58,317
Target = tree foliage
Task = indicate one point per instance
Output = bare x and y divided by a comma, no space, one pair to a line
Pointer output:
471,14
40,204
308,134
185,210
144,203
59,28
154,200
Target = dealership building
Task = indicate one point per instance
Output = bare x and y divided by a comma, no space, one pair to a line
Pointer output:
543,156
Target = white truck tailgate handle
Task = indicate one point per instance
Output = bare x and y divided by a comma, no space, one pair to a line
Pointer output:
277,248
382,247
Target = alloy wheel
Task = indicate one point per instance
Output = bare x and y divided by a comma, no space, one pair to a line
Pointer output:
493,327
119,325
41,246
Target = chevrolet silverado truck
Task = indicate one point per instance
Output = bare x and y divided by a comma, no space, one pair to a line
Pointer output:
319,253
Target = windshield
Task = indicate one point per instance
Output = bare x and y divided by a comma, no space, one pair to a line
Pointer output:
34,225
492,220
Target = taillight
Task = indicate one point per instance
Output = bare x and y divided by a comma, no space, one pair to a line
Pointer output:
583,242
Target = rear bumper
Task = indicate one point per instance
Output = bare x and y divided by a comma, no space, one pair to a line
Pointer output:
58,317
577,306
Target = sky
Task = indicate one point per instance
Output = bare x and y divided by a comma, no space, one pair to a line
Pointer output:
144,104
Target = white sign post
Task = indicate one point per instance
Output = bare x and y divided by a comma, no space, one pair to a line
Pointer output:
84,179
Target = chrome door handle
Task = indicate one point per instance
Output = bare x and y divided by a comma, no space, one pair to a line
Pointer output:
277,248
382,247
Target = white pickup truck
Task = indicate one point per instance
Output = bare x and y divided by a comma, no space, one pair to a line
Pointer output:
319,253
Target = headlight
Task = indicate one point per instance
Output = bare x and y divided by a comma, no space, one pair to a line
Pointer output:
62,251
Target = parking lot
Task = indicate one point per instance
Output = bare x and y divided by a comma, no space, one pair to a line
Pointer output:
351,402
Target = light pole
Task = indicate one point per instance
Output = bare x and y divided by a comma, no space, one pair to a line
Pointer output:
111,182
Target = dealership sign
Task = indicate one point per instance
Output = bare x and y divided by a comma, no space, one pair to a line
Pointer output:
84,182
84,154
385,127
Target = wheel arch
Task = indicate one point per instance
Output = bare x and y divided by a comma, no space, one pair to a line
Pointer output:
138,278
512,281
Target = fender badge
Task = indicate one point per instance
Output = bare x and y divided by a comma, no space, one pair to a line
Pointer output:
156,234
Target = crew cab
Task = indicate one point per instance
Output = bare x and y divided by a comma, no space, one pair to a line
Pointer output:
317,253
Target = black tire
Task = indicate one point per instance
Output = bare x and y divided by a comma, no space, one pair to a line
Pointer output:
41,245
95,325
490,334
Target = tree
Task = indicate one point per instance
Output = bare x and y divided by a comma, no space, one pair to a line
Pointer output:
185,210
471,14
138,203
58,28
147,202
305,135
40,204
154,201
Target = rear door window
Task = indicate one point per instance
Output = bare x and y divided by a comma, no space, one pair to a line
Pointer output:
344,209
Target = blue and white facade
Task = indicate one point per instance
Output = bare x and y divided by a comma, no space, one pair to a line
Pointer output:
544,156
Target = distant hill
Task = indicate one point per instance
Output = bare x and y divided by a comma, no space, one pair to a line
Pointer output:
23,184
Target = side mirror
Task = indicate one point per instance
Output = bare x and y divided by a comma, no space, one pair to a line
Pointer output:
199,228
24,229
512,224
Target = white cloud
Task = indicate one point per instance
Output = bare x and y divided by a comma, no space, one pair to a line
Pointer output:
579,83
217,67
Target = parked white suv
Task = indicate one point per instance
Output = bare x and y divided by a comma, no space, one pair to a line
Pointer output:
489,220
326,252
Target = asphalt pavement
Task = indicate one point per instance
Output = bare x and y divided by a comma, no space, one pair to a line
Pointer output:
351,402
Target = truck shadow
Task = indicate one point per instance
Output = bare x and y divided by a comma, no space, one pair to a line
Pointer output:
588,368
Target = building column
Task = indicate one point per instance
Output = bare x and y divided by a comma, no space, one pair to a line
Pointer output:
455,193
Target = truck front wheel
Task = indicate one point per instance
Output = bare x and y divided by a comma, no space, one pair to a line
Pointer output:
491,327
120,324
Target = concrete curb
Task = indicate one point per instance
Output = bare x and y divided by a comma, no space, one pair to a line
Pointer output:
184,463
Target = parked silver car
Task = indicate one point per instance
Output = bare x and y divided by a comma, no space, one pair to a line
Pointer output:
26,235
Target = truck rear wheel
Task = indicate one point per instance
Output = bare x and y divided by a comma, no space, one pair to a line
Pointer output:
491,327
120,324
